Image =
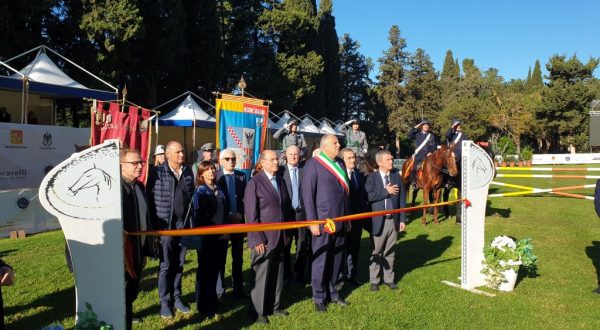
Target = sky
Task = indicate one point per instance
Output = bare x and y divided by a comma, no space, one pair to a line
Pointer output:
504,34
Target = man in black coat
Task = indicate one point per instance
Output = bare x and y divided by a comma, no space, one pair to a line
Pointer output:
425,145
135,218
386,192
267,201
232,183
358,204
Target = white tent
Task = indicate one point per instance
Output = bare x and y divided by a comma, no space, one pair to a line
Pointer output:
44,70
326,127
307,125
187,114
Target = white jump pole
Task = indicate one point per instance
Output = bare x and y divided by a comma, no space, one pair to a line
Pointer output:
477,174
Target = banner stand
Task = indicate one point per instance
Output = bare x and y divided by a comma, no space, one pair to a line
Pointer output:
477,173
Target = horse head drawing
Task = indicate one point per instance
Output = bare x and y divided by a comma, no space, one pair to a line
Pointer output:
92,178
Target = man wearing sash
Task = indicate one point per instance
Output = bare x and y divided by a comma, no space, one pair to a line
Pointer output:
325,191
425,143
455,135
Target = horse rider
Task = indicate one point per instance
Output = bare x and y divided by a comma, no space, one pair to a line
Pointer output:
355,138
425,143
456,136
290,137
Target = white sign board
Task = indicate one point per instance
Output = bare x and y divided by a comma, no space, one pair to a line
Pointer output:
28,152
551,159
84,192
477,173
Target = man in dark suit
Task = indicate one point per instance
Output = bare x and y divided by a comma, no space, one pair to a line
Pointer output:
325,192
385,192
135,218
292,175
267,200
358,201
232,183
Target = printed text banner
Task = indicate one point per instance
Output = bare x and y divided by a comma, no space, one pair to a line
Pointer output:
242,127
30,151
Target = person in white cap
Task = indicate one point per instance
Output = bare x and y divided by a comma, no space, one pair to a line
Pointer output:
159,155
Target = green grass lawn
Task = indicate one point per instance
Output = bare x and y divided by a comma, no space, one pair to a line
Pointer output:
565,233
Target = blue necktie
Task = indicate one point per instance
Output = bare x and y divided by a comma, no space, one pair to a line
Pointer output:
295,197
231,190
274,183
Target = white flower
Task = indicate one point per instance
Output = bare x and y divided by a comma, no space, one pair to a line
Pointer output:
503,242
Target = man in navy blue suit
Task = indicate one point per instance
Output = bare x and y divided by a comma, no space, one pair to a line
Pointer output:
358,201
232,183
291,172
325,190
267,200
385,192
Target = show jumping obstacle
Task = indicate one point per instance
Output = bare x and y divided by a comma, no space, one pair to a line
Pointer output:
527,190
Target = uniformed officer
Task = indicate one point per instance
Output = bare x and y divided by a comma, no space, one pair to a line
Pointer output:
290,137
355,138
425,144
456,135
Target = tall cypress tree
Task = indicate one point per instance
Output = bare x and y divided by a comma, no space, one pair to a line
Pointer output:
536,76
330,81
423,92
450,71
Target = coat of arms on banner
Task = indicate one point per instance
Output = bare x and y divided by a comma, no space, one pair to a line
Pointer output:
241,141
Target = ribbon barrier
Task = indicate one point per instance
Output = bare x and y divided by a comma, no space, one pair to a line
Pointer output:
329,225
550,169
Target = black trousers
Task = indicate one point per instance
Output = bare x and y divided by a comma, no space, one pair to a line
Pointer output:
268,280
132,288
237,261
302,265
210,258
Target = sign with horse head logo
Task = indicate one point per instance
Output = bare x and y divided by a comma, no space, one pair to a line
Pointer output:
83,192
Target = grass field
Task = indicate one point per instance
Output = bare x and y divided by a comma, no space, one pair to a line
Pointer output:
565,233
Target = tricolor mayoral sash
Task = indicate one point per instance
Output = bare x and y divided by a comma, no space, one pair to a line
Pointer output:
335,169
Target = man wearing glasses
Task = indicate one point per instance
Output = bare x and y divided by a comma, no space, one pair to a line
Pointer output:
170,188
135,218
232,183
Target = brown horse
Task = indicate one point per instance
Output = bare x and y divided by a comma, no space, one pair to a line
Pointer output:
430,176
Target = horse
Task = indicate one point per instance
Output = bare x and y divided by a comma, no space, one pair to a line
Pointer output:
430,177
93,178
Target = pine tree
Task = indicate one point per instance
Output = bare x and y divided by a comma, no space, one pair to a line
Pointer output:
355,81
528,80
423,92
390,89
293,27
563,112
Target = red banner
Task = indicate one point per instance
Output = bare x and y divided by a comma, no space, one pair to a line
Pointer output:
130,127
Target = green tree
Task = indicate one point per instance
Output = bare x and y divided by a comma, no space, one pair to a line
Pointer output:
563,110
423,93
451,70
329,84
391,89
292,25
355,81
536,76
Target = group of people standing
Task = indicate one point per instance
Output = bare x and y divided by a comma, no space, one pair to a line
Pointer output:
326,186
